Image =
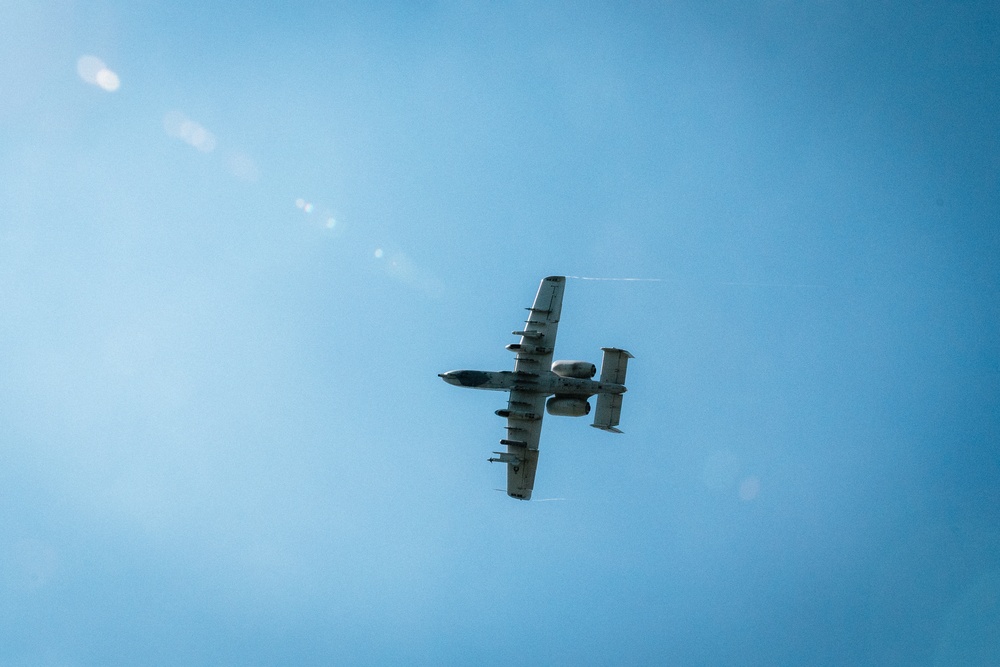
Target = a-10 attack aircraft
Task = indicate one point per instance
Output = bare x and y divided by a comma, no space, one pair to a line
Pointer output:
536,377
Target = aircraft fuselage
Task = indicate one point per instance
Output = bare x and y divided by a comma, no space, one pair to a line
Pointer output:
545,382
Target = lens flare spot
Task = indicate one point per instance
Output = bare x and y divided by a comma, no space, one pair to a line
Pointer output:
93,71
378,253
108,80
197,136
244,168
308,208
190,132
331,222
749,488
88,67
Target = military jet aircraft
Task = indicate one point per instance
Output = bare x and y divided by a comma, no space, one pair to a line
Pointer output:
536,377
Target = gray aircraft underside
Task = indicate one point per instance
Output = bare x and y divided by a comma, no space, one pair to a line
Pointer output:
535,378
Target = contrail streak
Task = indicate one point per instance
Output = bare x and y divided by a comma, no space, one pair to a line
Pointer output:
631,280
771,285
686,282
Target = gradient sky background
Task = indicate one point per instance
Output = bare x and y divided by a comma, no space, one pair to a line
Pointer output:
233,261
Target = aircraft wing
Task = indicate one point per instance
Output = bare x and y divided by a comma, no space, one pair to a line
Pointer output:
521,478
538,339
526,407
524,429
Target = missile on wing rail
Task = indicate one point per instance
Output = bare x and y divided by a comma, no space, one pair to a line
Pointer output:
505,457
514,414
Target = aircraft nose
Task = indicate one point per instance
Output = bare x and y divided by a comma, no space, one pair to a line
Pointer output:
450,377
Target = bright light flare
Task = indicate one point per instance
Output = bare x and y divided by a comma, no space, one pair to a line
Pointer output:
244,168
93,70
88,67
190,132
326,216
749,488
108,80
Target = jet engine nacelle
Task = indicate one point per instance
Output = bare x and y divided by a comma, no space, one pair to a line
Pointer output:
567,406
583,370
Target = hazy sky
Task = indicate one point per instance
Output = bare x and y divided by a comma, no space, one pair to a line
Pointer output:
238,244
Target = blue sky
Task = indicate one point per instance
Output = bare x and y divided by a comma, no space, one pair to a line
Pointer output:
237,245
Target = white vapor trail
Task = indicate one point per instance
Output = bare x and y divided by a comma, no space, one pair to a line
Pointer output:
682,282
772,285
631,280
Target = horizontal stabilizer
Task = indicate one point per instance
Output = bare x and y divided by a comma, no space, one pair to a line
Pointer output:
608,412
609,406
614,365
